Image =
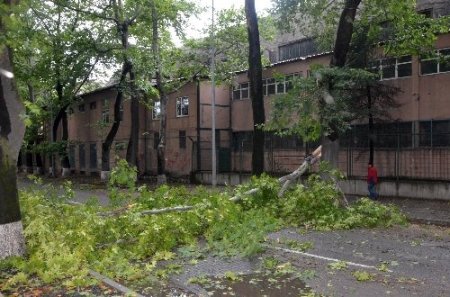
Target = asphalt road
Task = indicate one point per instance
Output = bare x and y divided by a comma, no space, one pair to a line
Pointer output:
417,257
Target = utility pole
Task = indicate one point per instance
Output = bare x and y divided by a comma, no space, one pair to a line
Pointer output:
213,103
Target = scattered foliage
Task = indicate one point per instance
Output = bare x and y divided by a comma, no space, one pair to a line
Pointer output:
65,241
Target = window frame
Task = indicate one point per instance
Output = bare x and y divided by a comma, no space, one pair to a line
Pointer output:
181,105
379,67
156,115
438,61
105,111
240,88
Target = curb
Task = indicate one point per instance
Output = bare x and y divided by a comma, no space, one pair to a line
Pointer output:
113,284
429,222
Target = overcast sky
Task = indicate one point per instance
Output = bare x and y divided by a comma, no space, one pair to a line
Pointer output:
205,18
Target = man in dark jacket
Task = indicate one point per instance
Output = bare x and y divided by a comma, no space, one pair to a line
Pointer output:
372,180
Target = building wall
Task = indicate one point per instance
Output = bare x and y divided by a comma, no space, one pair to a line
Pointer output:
423,97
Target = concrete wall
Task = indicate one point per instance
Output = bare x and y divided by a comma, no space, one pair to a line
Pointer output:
401,189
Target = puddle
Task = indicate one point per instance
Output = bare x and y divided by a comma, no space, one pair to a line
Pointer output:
256,285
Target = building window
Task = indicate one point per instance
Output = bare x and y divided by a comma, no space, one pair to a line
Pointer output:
156,140
72,156
386,135
156,111
241,91
242,141
93,105
428,13
182,106
93,156
81,108
105,111
290,142
120,146
182,138
70,111
82,156
434,133
300,48
272,86
390,68
439,63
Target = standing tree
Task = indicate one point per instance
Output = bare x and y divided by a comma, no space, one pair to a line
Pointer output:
411,34
12,130
256,89
156,50
64,62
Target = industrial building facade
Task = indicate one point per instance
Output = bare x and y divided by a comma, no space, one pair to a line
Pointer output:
414,145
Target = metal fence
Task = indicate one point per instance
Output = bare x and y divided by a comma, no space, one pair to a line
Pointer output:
422,156
396,156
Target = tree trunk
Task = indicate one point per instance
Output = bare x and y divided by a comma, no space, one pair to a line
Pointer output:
65,163
56,121
28,159
344,33
371,130
133,143
122,29
341,48
161,158
256,90
12,130
106,146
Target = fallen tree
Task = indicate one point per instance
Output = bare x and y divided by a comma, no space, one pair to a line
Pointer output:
285,182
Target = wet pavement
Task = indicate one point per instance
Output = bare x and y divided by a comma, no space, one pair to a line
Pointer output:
400,261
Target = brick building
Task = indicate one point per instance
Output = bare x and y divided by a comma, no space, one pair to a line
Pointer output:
415,146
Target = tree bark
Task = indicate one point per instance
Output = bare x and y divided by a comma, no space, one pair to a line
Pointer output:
12,130
161,158
256,90
133,143
344,33
65,162
56,122
371,130
106,146
341,48
122,29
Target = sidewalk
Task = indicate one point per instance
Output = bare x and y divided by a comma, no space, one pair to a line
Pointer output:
436,212
422,211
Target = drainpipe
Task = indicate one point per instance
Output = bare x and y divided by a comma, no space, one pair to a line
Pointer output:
213,103
198,125
145,140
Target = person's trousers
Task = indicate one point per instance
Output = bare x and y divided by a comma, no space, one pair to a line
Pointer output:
372,187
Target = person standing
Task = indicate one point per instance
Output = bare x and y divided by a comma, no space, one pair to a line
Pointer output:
372,180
